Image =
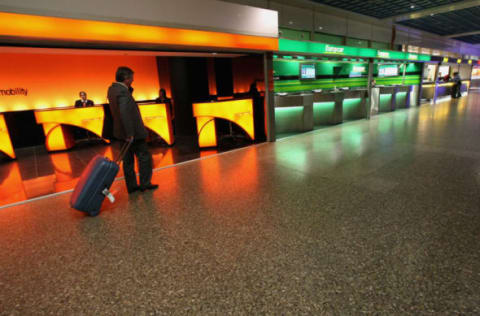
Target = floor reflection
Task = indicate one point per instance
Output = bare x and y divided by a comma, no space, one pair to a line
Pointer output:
36,172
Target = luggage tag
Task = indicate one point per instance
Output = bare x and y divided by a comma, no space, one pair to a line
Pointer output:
108,195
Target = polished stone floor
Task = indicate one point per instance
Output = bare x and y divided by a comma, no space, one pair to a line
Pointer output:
377,217
36,172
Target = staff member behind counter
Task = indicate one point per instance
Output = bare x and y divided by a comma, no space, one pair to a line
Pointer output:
83,102
162,98
79,133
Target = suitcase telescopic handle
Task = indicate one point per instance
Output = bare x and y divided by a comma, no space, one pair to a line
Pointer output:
123,150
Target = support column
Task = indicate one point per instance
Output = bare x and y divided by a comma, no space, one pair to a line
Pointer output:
420,85
369,88
269,97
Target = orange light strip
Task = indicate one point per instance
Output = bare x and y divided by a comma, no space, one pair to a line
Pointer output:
156,117
239,112
5,141
53,28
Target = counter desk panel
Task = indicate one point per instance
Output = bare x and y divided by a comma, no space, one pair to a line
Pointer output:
5,141
434,91
293,113
239,112
57,122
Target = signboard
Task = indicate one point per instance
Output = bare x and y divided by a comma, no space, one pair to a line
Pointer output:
412,56
287,45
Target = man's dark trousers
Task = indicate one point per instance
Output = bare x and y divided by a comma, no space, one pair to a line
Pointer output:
138,148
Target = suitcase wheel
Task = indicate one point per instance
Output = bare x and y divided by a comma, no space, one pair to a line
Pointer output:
93,214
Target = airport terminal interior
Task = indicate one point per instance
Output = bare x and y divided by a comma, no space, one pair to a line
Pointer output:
312,157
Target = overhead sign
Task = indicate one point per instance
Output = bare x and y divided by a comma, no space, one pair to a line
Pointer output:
412,56
334,49
383,54
287,45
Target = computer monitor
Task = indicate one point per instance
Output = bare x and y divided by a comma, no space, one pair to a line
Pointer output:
387,70
443,71
307,71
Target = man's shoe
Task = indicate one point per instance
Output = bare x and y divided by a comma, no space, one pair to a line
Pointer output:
133,190
149,187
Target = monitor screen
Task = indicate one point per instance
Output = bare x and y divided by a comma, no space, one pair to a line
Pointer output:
307,71
429,72
387,70
476,72
357,71
443,71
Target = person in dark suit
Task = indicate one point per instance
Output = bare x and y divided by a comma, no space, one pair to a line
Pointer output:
457,86
83,102
128,126
162,98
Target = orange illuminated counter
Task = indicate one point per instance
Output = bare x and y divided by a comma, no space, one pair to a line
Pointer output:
5,141
56,122
239,112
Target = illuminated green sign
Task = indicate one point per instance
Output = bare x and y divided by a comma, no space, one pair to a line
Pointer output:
382,54
286,45
412,57
330,49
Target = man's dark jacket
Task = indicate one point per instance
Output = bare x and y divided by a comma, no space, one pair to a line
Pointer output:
79,103
127,120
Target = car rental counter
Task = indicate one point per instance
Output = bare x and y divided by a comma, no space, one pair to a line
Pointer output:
390,98
300,112
57,122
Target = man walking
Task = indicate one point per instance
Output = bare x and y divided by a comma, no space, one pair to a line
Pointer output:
128,126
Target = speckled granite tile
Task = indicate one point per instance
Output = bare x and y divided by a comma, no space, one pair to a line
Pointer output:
369,217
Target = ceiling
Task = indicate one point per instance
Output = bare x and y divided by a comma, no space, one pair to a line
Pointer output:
450,23
381,9
451,18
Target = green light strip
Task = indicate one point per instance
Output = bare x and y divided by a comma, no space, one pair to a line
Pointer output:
287,108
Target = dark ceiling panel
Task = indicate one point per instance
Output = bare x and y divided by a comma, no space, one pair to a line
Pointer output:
385,8
472,39
448,23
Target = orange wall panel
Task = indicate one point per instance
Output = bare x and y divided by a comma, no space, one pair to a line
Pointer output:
245,71
53,81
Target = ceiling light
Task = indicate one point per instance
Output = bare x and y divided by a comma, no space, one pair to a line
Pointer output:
290,22
412,6
320,28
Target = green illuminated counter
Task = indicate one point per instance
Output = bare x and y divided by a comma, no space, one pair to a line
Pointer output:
334,107
354,103
301,112
402,97
293,113
327,107
390,98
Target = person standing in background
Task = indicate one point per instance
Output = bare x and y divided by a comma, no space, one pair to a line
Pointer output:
128,127
162,98
456,93
83,102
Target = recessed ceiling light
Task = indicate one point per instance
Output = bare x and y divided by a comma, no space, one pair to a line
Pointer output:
412,6
320,28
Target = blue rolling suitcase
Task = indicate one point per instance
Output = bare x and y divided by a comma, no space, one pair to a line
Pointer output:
95,182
